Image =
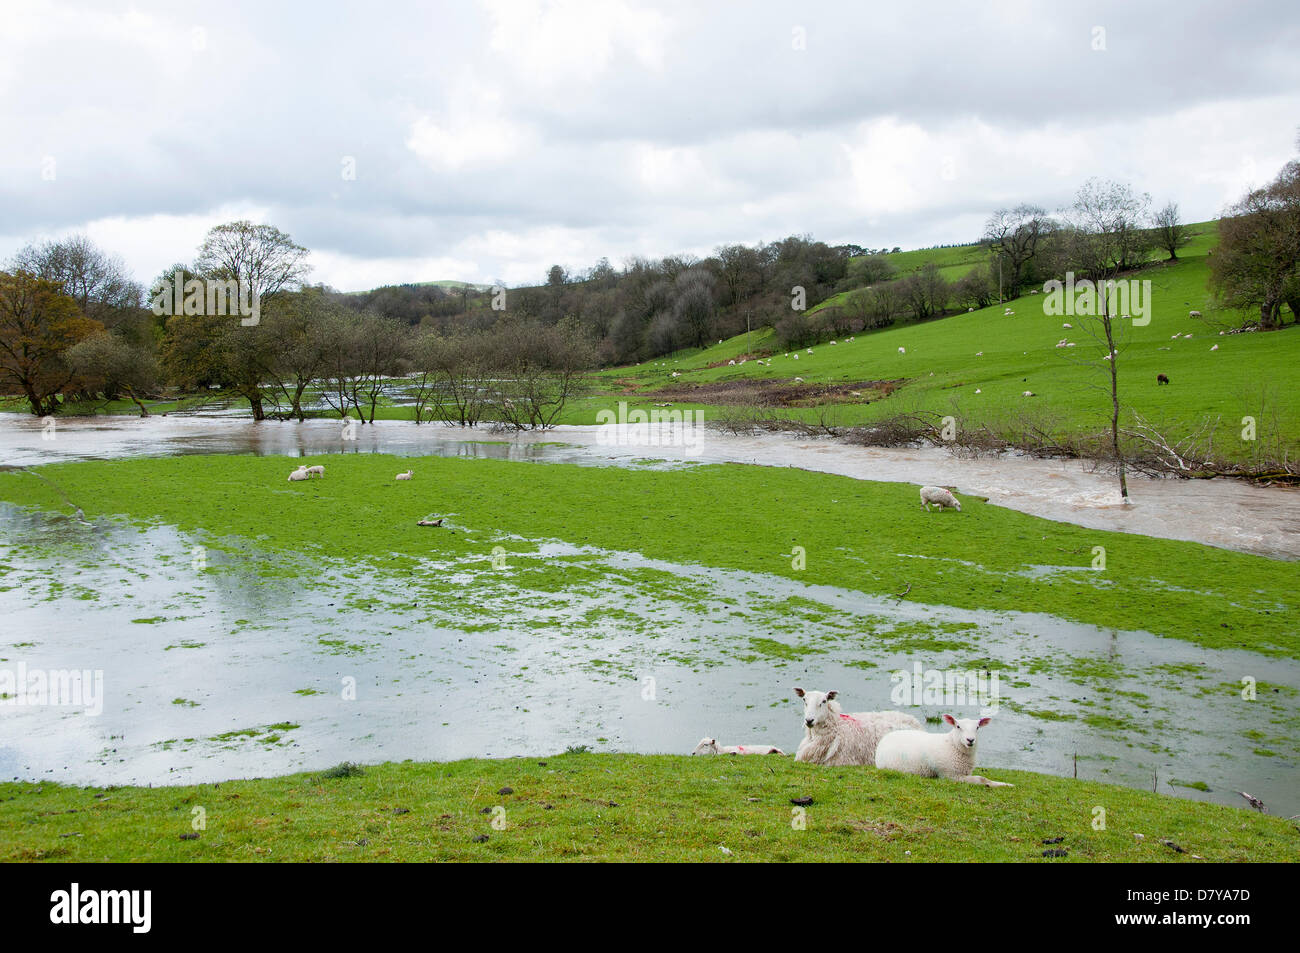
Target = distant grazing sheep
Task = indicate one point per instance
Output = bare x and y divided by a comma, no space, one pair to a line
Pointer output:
950,755
834,738
1193,314
1214,347
902,350
1029,393
317,470
711,746
404,476
1162,379
940,497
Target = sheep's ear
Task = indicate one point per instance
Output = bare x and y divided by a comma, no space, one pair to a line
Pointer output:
948,719
984,721
798,691
830,695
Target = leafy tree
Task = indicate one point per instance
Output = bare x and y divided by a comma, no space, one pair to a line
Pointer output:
38,324
1255,265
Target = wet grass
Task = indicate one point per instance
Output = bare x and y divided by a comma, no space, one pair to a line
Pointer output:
626,808
853,534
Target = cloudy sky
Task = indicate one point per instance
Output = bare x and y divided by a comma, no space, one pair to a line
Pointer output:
486,140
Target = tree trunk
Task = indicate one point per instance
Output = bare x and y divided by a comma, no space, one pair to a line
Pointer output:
1114,406
144,411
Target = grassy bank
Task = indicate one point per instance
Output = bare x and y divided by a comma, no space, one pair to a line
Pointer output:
630,808
866,536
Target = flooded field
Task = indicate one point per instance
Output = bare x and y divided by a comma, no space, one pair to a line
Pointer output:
222,663
1228,514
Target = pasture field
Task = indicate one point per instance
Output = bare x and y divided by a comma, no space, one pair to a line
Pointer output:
616,807
863,537
868,536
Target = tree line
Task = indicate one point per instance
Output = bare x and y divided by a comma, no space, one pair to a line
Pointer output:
74,325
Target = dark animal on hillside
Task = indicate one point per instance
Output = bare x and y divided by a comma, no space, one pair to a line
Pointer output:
1161,379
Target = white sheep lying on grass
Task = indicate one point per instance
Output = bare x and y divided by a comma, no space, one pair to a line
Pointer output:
834,738
950,755
299,474
404,476
711,746
940,497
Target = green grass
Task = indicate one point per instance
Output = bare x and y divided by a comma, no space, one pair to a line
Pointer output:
616,807
1003,356
866,536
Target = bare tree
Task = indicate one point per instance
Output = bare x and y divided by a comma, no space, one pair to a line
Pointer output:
120,366
97,281
1103,219
1014,236
260,256
1171,233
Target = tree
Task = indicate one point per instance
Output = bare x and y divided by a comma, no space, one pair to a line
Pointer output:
1255,264
98,282
38,324
261,256
1171,233
1014,236
693,306
120,366
926,291
1103,220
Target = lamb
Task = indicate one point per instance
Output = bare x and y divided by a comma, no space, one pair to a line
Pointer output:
711,746
297,475
317,470
939,496
834,738
404,476
950,755
1193,314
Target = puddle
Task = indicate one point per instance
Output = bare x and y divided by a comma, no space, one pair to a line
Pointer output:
245,669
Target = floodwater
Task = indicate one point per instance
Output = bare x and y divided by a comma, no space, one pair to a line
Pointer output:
1225,513
233,673
212,675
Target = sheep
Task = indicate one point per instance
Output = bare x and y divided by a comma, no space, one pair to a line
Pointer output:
1214,347
1068,326
1162,379
297,475
317,470
939,496
950,755
902,350
1193,314
979,353
403,476
1029,393
834,738
711,746
978,391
